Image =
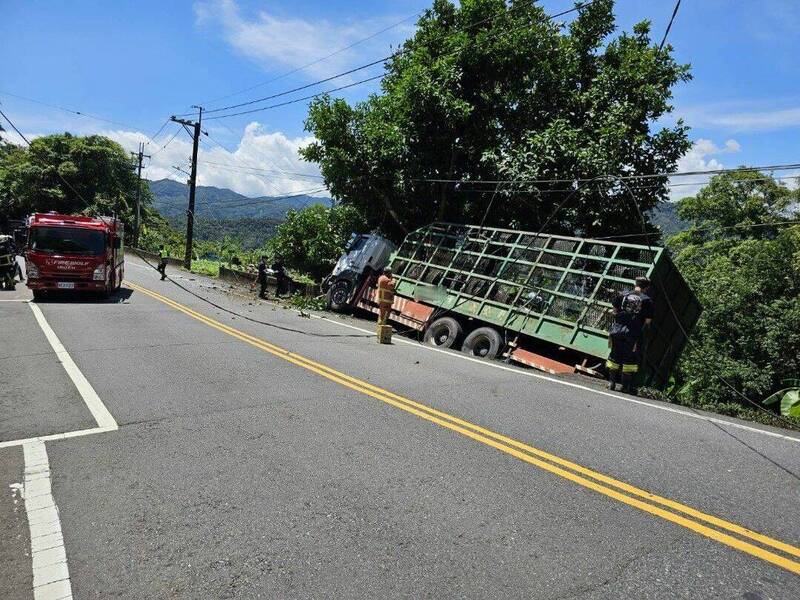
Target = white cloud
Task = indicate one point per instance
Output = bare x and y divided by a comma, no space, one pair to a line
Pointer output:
699,158
742,117
282,172
270,40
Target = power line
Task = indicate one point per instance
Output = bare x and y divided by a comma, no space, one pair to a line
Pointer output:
780,167
669,25
169,141
255,110
242,167
315,62
577,7
70,110
712,369
297,89
88,115
696,229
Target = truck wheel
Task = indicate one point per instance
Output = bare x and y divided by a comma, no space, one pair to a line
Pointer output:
443,332
484,342
339,295
38,294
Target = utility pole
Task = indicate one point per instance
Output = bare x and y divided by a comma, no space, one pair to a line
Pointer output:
138,156
195,133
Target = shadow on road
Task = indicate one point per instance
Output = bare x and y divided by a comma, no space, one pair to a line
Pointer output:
54,297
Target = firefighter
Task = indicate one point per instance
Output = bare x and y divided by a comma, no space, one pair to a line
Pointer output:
282,280
385,295
162,262
633,313
262,278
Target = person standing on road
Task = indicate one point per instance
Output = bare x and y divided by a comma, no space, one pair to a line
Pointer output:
17,267
162,262
282,279
386,287
262,278
633,313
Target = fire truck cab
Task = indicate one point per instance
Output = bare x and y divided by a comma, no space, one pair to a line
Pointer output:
68,252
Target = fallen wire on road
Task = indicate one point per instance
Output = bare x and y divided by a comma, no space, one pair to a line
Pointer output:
252,319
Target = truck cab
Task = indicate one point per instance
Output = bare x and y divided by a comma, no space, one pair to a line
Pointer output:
364,255
69,252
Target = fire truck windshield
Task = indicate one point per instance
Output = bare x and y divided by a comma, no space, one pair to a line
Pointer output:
67,240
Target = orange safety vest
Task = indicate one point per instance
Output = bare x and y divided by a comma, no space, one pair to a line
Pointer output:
385,290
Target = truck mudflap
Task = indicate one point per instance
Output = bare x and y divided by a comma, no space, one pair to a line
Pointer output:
404,310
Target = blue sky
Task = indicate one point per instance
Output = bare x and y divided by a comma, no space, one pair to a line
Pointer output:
138,62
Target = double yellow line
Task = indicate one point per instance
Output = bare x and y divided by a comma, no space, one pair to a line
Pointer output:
712,527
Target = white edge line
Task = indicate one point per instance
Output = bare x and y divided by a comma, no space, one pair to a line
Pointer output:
573,385
57,436
90,397
14,300
49,565
484,363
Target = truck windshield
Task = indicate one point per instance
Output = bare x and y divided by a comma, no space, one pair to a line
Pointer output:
67,240
356,244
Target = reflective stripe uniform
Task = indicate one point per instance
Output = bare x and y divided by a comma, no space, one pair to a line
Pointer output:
385,297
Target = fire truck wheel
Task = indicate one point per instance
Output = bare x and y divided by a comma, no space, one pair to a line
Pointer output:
338,296
38,294
444,332
484,342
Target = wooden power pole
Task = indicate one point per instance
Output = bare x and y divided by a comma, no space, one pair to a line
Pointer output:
195,132
139,156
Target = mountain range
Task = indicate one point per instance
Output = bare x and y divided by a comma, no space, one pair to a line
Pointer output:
171,199
221,212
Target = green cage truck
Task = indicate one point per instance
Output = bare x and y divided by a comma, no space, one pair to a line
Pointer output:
539,300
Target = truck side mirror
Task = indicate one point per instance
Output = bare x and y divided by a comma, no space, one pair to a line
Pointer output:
117,243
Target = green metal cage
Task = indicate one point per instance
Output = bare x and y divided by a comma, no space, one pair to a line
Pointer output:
553,288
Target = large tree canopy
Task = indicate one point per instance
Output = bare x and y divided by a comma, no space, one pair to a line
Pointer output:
747,277
97,171
491,90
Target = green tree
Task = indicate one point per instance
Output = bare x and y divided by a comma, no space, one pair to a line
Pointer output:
95,169
748,281
311,240
494,90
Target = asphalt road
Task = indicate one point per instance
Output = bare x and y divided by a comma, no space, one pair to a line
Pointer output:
259,462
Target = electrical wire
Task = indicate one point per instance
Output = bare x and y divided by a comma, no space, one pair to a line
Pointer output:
669,25
577,7
196,295
698,229
70,110
243,167
686,336
288,102
315,62
779,167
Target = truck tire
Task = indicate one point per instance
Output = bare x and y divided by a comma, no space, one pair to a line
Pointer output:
38,294
339,296
443,332
484,342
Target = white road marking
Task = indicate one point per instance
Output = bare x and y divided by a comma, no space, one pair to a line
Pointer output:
90,397
49,559
57,436
572,384
14,300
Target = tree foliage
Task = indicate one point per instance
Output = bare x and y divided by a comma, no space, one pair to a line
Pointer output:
97,171
493,90
311,240
748,281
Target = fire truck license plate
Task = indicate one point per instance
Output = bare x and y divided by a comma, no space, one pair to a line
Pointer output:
66,285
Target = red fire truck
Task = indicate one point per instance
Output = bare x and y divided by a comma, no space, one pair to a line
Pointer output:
67,252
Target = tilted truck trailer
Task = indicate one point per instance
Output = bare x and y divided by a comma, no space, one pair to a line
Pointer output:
532,298
73,252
